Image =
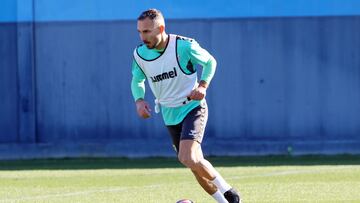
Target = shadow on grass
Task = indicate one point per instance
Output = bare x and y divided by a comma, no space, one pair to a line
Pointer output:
161,162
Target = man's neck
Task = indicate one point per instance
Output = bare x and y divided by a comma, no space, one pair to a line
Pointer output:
163,42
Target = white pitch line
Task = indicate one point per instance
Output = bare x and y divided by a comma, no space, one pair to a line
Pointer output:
289,172
279,173
70,194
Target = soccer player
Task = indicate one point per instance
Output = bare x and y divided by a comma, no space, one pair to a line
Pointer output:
168,61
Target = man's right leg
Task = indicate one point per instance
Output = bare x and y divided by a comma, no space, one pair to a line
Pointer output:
205,183
190,155
187,137
210,180
230,194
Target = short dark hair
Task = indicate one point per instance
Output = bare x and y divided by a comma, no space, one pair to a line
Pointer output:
150,13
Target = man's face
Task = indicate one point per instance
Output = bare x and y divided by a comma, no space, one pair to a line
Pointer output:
149,32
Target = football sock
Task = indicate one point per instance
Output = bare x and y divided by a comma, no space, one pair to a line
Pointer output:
219,181
219,197
221,184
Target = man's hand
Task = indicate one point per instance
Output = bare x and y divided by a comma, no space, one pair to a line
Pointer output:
199,93
143,108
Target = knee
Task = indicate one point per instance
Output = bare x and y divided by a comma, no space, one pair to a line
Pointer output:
189,161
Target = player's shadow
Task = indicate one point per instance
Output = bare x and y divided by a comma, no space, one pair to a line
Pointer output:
161,162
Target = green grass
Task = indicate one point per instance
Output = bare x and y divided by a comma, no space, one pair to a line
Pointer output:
260,179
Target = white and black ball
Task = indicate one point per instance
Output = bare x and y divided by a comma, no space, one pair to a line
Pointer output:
184,201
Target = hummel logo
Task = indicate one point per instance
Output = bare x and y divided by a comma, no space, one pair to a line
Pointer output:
164,76
193,133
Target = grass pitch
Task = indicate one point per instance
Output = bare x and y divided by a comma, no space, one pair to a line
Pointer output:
164,180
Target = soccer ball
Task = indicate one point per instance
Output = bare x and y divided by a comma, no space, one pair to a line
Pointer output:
185,201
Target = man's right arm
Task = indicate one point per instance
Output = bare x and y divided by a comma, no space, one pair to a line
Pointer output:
137,82
138,91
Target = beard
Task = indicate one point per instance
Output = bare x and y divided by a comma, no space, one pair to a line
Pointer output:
149,46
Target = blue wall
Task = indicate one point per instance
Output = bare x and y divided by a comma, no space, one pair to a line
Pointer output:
88,10
8,83
281,81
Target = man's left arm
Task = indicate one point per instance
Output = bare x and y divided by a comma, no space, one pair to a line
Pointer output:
208,72
198,55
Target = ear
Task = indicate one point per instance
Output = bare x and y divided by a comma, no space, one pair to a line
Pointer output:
162,28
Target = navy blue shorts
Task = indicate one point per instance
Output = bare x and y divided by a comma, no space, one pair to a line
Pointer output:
191,128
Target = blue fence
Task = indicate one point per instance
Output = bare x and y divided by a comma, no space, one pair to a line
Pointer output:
95,10
281,82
